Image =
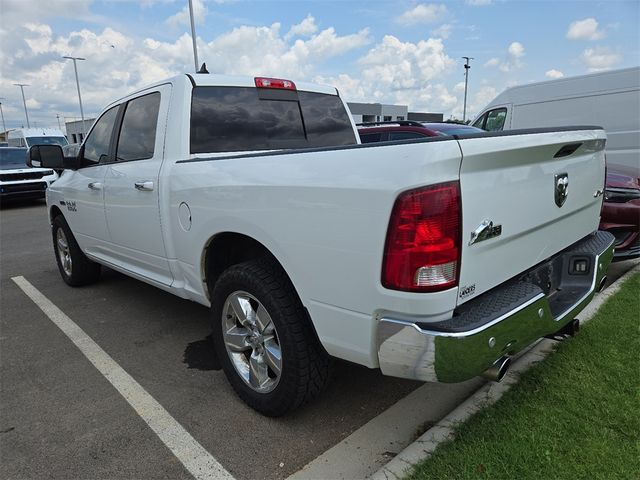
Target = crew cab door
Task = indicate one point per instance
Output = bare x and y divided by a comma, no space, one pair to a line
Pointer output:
132,185
83,189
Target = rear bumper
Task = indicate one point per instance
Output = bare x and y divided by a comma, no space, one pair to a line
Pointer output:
499,323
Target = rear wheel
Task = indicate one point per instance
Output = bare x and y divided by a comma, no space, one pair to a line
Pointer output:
75,268
263,339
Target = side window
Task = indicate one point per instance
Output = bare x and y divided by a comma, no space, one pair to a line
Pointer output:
480,122
370,137
138,132
495,119
96,147
404,135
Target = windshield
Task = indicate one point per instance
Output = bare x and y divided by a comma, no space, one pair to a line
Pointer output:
46,141
15,157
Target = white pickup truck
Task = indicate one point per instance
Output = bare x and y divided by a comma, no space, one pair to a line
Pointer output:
435,259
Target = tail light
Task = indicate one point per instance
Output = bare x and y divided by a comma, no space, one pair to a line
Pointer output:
263,82
422,252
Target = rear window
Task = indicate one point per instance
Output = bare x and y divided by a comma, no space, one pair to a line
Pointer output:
233,119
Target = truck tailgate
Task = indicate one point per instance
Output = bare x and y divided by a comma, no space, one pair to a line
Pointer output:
511,187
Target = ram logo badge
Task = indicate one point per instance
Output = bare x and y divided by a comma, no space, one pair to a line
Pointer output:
561,182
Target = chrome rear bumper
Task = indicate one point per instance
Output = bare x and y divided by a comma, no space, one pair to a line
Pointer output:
499,323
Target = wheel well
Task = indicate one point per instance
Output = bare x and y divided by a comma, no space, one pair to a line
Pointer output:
55,211
227,249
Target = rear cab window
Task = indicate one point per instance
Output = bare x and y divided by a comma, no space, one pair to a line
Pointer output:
233,119
138,132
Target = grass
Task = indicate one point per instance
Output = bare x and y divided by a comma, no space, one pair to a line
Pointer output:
576,415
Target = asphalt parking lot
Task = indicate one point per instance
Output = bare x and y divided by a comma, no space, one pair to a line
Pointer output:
61,418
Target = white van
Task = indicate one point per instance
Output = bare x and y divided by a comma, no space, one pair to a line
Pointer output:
27,137
608,99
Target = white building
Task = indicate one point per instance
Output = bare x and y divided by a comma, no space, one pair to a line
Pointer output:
76,131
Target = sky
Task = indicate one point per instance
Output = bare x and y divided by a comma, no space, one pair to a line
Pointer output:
396,51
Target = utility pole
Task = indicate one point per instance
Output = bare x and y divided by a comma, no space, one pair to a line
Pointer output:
4,127
24,102
75,68
193,36
58,117
466,83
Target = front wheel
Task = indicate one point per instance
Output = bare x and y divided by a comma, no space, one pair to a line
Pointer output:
75,268
264,341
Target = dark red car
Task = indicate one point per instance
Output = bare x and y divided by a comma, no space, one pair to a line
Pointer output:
621,210
408,129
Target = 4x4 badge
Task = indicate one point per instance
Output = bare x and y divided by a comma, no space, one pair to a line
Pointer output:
561,190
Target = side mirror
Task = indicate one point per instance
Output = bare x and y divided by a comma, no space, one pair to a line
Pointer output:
50,156
46,156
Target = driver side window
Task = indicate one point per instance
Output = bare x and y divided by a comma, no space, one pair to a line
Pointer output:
96,146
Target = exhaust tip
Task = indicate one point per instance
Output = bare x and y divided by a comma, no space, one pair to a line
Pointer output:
602,283
498,370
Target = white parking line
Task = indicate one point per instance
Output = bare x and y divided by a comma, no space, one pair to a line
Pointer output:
200,463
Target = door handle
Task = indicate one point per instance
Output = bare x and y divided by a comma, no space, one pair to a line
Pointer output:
145,186
95,186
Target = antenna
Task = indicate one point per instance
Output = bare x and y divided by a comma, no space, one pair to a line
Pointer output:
203,68
466,82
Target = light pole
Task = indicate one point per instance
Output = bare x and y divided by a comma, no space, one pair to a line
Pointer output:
24,102
466,82
58,117
75,68
4,127
193,36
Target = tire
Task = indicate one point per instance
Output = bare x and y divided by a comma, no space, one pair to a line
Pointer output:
274,322
75,268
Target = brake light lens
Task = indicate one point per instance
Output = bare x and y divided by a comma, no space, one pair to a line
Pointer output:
263,82
422,251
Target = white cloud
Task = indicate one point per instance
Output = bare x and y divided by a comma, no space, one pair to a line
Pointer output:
200,12
423,13
118,64
600,58
443,31
403,73
397,64
251,50
553,73
480,99
305,28
512,59
478,3
586,29
516,50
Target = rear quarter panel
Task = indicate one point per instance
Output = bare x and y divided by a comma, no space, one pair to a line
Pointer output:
324,216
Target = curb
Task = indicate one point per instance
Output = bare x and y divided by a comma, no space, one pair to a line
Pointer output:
486,395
